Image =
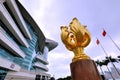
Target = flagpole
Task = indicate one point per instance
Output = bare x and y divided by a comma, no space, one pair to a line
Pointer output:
103,49
109,58
98,42
104,34
114,42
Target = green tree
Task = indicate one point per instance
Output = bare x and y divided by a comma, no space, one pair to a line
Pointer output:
100,65
105,62
66,78
118,58
112,60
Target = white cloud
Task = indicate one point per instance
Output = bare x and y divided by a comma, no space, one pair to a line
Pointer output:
38,10
60,64
51,14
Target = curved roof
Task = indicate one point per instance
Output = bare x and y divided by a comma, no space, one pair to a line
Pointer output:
50,44
30,20
42,40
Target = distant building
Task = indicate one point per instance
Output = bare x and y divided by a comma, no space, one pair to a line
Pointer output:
23,46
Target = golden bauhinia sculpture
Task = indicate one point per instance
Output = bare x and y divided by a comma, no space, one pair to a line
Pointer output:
76,37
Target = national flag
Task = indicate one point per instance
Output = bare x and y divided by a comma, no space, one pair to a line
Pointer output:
104,33
97,41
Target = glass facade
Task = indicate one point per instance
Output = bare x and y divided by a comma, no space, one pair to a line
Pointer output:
25,48
3,73
30,52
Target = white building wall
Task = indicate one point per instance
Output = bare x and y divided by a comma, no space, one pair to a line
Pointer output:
10,24
45,52
12,5
9,44
9,65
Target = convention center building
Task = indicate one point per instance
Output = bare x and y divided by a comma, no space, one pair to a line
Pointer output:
23,45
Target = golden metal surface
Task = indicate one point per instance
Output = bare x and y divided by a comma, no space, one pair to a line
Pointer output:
76,37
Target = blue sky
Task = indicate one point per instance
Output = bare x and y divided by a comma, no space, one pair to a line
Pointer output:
96,14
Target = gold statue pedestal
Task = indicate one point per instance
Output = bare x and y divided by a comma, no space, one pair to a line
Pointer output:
84,70
75,38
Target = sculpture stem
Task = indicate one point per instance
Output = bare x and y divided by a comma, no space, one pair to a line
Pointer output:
79,54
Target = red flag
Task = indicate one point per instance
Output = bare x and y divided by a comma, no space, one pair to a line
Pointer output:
98,42
104,33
